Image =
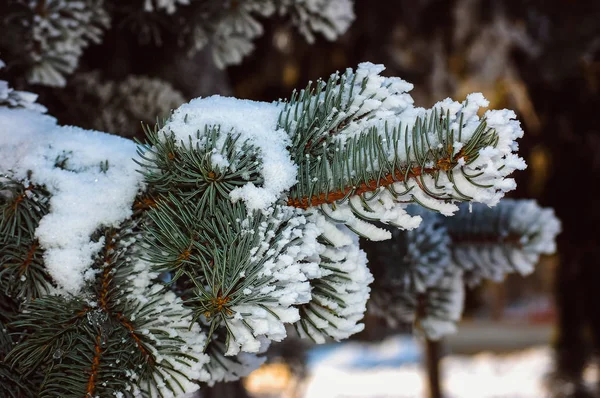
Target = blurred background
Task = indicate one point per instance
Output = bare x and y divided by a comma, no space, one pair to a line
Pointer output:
527,337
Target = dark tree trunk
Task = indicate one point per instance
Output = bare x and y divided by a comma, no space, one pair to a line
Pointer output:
433,354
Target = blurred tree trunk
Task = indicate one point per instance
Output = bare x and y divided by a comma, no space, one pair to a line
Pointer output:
433,355
233,389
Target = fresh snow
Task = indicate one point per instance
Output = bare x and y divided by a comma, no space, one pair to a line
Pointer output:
84,198
255,122
286,264
325,318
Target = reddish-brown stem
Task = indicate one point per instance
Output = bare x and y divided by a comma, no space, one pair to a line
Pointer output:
21,197
144,203
369,186
443,164
91,385
105,289
28,258
106,273
138,342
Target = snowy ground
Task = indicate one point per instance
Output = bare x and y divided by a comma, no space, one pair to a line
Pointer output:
348,372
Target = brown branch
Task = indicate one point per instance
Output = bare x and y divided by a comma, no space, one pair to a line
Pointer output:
138,342
106,274
443,164
106,281
91,385
105,284
21,197
369,186
28,258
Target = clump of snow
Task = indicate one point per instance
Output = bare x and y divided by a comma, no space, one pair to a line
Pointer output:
444,305
383,208
287,256
253,321
228,368
345,276
181,369
254,122
84,195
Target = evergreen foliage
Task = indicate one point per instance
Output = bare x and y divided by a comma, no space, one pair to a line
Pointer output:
420,274
47,38
119,105
17,99
362,121
146,271
60,30
489,243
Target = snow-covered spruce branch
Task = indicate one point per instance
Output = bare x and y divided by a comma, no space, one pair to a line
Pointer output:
60,31
52,35
420,274
176,261
412,260
12,98
78,343
488,243
339,292
364,150
229,27
118,106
